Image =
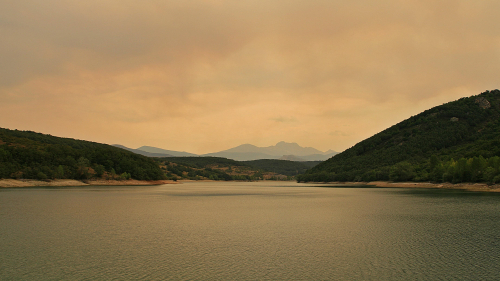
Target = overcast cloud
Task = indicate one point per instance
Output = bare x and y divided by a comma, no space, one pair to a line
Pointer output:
203,76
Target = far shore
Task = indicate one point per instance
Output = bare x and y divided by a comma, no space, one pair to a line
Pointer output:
68,182
463,186
5,183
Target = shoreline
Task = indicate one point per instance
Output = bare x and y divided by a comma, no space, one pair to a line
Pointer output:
13,183
481,187
6,183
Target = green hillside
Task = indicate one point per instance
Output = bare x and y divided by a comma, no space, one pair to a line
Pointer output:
202,162
218,168
455,142
284,167
30,155
207,168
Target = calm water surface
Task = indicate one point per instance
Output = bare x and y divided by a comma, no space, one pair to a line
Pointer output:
248,231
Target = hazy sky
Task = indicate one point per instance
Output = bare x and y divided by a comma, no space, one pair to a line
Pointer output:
203,76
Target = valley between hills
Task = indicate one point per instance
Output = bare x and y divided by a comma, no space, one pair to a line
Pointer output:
454,145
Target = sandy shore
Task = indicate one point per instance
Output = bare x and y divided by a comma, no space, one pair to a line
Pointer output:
463,186
33,183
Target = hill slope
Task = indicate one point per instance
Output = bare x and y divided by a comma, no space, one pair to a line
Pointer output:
217,168
30,155
458,141
141,152
158,151
284,167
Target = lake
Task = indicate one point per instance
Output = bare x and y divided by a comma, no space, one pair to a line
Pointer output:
248,231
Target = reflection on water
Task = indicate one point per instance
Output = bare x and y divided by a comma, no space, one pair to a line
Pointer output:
248,231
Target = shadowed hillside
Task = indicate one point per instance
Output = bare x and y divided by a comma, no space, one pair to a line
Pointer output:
30,155
456,142
284,167
218,168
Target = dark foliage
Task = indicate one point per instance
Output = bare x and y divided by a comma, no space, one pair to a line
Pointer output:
284,167
201,162
207,168
218,168
310,164
444,143
30,155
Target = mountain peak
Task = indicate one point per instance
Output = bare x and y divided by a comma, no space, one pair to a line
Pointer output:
246,145
275,151
282,143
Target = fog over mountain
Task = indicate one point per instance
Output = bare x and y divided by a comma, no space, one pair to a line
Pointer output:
206,75
282,150
245,152
151,149
141,152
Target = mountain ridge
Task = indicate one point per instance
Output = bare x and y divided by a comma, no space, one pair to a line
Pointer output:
152,149
141,152
245,152
280,149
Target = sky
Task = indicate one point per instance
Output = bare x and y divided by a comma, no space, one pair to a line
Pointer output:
207,75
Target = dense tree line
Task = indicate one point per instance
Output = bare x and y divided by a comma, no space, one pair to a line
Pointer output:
181,170
283,167
218,168
30,155
463,131
310,164
202,162
475,169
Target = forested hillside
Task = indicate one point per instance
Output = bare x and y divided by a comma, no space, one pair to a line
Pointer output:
218,168
284,167
30,155
206,168
455,142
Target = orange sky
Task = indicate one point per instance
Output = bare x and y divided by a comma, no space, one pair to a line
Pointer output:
203,76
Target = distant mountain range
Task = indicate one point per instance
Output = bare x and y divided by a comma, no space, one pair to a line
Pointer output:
247,152
30,155
282,150
141,152
155,150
